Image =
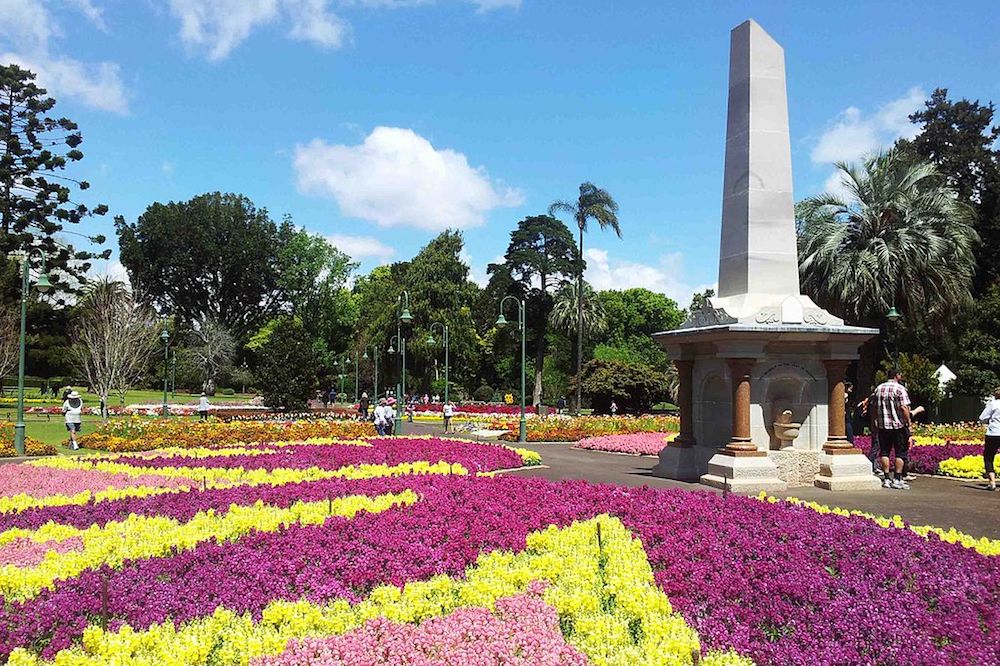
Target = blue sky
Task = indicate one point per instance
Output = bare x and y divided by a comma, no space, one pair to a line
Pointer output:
380,122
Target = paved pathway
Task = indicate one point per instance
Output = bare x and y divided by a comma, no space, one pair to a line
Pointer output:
964,505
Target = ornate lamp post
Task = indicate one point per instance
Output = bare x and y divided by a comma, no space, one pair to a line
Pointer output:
432,341
165,336
893,316
404,318
502,321
375,374
43,285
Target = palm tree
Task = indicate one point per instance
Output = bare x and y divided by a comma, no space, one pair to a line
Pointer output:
567,310
899,238
596,204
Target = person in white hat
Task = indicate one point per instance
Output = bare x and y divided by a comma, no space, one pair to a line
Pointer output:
73,410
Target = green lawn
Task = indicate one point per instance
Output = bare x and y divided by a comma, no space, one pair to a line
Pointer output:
53,431
135,397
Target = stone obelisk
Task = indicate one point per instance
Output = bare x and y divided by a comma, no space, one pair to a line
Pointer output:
758,260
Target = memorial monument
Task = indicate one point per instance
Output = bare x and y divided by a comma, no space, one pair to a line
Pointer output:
761,367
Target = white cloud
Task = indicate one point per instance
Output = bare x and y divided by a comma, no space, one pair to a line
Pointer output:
217,27
490,5
853,135
666,277
27,30
221,25
397,178
90,11
313,22
361,246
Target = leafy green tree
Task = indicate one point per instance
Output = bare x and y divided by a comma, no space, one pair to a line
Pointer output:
977,368
633,316
634,387
540,256
699,301
900,238
313,279
595,204
36,197
962,141
920,377
287,366
214,257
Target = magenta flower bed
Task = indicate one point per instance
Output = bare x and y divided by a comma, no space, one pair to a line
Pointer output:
638,444
779,583
474,456
46,481
925,459
522,631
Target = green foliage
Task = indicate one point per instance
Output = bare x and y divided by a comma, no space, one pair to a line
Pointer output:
919,377
961,140
228,391
634,387
287,369
568,310
483,394
632,317
313,277
215,256
700,301
978,367
36,197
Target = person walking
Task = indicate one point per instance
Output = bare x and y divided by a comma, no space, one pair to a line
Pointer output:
892,418
991,444
73,411
203,407
363,407
561,404
614,408
448,411
381,417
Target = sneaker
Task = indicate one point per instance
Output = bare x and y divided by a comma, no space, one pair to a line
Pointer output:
909,477
886,483
992,486
900,485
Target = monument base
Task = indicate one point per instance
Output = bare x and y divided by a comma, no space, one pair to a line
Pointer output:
743,474
796,467
845,469
683,463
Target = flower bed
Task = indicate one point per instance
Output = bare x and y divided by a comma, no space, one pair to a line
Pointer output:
314,563
144,435
573,429
638,444
939,458
32,447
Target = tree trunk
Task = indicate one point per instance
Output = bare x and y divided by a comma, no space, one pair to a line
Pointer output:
536,399
866,367
579,324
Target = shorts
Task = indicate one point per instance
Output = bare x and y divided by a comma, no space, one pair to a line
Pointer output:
897,441
73,427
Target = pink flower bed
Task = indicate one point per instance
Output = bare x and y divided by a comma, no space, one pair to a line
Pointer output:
522,631
27,553
476,409
45,481
637,444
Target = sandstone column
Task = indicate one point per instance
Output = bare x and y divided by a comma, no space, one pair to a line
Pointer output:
836,416
685,400
739,444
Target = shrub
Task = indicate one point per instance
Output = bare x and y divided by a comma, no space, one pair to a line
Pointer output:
634,387
228,391
483,394
288,364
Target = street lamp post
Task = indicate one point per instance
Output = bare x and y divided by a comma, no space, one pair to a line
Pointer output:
165,336
501,321
893,316
43,285
404,318
375,374
431,341
173,375
356,378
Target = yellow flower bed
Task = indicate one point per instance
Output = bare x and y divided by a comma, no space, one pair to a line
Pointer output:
227,476
981,545
278,477
139,537
608,605
966,467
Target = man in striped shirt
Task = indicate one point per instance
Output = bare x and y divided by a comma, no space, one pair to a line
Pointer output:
892,418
